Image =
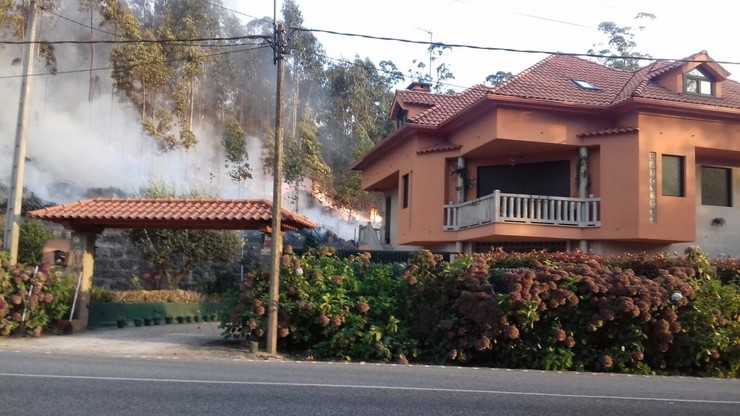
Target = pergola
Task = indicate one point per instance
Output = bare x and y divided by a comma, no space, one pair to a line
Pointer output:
87,218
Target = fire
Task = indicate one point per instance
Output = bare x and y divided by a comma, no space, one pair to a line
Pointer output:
348,215
375,217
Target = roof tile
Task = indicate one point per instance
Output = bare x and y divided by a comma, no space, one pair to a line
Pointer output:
170,213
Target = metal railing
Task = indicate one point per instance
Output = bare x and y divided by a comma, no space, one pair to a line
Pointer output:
525,209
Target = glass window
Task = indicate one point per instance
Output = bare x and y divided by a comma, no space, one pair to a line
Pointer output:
696,82
673,175
716,186
585,84
405,191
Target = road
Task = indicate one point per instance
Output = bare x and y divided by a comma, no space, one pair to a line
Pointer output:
59,384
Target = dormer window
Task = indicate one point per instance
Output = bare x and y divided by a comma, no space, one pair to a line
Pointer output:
696,82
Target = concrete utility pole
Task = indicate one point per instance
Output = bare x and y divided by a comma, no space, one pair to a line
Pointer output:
281,46
15,197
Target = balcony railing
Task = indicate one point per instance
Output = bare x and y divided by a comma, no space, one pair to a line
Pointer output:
523,209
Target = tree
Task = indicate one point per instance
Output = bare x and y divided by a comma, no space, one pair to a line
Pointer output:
498,78
620,50
442,70
235,146
175,252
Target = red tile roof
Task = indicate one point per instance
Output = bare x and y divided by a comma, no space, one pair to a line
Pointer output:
441,147
442,107
552,80
170,213
609,131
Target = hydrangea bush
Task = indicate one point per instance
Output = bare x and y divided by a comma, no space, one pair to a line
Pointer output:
557,311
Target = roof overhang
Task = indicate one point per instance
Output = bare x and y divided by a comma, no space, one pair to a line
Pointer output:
193,214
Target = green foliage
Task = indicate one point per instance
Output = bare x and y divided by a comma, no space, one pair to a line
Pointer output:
44,295
498,78
330,307
710,343
235,146
175,252
620,47
32,237
551,311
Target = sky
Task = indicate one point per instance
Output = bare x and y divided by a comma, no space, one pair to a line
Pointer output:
679,30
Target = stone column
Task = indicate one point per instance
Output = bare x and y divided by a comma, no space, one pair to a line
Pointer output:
82,260
583,185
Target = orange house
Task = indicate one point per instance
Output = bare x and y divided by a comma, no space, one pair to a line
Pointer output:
568,154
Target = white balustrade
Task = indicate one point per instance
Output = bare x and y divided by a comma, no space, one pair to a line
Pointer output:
526,209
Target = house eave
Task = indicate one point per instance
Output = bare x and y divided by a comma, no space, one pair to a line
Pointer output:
388,143
703,110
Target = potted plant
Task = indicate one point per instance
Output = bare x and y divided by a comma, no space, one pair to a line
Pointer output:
196,316
121,322
156,318
213,316
138,322
180,319
147,321
168,319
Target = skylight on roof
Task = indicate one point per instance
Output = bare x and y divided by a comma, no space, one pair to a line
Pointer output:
585,84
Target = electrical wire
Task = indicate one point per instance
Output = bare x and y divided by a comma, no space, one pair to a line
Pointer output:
497,48
133,65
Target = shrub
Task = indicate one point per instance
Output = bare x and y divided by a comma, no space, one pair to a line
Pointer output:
33,234
45,295
98,294
330,307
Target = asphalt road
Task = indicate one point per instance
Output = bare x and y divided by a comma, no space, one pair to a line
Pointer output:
43,383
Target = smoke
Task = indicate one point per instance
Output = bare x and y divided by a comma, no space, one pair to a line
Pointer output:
74,144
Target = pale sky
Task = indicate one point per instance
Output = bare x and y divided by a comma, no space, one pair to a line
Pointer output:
681,28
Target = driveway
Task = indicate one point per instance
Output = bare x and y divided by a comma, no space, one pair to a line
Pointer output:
167,341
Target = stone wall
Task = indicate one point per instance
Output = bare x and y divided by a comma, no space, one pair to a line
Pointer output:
116,261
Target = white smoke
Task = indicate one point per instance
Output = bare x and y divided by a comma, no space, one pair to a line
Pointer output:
74,144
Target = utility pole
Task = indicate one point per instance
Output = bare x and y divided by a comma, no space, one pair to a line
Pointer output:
281,46
15,197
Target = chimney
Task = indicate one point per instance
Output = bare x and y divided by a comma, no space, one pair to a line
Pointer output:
420,86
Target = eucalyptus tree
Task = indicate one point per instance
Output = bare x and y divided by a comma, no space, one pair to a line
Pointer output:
498,78
619,51
357,98
13,17
437,71
305,63
139,71
235,146
91,7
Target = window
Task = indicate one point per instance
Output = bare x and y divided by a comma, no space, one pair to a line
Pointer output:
716,186
673,175
401,118
585,85
405,191
695,82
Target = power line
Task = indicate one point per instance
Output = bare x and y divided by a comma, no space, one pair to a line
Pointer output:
497,48
131,41
220,6
79,23
132,65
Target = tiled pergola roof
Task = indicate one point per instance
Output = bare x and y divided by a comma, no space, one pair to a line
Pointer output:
215,214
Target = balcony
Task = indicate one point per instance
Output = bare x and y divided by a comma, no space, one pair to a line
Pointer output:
523,209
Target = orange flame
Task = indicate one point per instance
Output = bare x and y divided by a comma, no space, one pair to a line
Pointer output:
348,215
